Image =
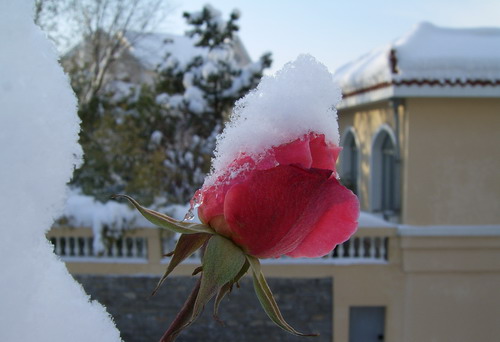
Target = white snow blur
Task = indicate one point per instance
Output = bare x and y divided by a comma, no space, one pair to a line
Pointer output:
298,99
38,153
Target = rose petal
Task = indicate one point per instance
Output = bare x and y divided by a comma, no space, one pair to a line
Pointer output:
213,204
335,226
214,195
324,155
273,211
295,153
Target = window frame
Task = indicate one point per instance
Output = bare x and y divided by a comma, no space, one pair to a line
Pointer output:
346,164
377,194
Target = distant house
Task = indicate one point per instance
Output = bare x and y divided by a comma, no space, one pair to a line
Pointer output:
420,127
134,58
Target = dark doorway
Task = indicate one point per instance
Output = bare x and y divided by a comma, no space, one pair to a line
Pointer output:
366,324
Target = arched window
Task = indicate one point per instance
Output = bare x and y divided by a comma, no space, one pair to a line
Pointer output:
349,162
385,173
388,174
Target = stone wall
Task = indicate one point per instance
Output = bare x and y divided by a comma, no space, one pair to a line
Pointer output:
305,303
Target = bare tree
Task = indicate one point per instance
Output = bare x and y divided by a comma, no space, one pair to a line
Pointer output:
98,25
44,14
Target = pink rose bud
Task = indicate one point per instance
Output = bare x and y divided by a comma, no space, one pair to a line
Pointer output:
288,202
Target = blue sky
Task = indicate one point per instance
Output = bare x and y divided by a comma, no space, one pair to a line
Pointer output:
335,32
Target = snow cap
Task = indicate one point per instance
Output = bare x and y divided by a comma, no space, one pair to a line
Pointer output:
298,99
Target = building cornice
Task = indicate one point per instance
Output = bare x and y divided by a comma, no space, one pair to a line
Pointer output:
419,88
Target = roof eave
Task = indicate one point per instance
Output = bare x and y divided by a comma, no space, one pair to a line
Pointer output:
386,91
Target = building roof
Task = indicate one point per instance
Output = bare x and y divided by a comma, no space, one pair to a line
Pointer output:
428,61
151,49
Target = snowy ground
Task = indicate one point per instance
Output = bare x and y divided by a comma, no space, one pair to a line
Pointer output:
38,152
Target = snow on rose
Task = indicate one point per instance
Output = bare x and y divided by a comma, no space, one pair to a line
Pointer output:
273,191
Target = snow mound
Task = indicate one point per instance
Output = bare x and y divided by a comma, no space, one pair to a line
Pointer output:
38,153
298,99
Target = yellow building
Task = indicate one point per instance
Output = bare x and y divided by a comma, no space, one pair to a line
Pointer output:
420,127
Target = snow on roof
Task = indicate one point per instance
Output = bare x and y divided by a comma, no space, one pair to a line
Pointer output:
151,48
427,56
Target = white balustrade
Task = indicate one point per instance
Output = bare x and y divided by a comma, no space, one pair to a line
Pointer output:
357,250
77,247
364,249
133,248
350,248
383,249
373,249
340,250
361,247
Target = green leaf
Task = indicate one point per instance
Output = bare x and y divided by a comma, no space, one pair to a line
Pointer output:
185,247
267,300
222,263
167,222
226,288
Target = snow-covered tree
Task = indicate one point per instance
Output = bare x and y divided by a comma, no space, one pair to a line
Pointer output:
156,143
201,94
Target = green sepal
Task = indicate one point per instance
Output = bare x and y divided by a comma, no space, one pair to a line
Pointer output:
222,262
167,222
266,298
185,247
226,288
